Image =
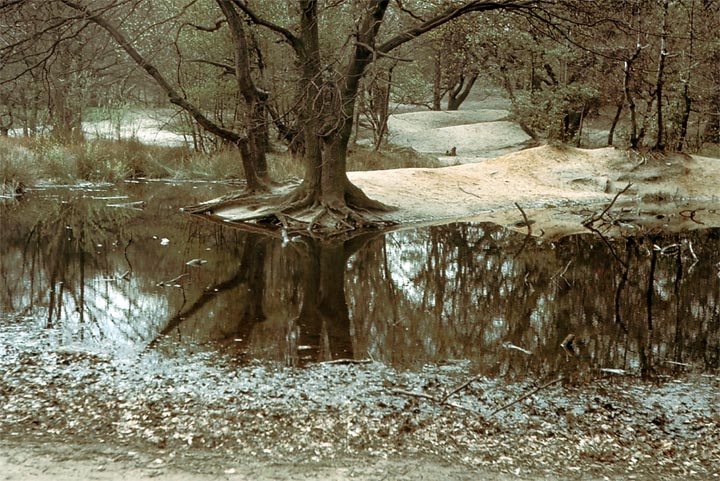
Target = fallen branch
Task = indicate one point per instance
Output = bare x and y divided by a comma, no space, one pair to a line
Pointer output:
459,388
171,282
443,401
525,396
347,361
596,218
469,193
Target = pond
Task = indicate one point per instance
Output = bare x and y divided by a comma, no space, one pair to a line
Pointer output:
120,270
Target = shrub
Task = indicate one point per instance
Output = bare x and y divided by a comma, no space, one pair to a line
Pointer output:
17,165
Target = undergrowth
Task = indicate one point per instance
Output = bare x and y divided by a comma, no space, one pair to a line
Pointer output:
24,162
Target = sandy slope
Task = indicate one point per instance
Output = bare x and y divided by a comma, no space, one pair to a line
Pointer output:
558,185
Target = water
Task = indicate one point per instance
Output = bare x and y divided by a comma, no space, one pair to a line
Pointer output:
88,268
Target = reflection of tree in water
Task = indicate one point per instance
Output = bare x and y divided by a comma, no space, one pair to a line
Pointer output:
322,330
91,270
50,252
429,295
458,292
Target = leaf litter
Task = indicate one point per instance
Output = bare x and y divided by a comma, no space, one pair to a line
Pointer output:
204,405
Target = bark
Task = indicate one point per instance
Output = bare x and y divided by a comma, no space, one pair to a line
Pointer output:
660,144
457,95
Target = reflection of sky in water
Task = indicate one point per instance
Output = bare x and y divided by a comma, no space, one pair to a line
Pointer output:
452,292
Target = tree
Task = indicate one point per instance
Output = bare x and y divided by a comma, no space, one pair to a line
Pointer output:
326,198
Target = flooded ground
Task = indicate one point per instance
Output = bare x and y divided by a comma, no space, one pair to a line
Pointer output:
120,271
126,323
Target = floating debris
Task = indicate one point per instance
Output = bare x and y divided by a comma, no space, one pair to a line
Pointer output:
507,345
619,372
196,262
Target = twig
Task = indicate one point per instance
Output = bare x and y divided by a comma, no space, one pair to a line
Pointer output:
596,218
469,193
444,399
529,232
525,218
691,215
525,396
171,281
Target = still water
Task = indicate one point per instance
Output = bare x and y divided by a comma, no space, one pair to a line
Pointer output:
94,269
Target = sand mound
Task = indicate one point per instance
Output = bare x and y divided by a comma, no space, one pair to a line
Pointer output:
475,134
558,186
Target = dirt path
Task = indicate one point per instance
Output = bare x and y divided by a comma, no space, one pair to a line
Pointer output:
72,463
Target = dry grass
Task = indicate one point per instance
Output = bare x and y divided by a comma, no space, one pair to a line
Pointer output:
24,161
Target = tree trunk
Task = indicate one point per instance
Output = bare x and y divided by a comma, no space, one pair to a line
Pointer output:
457,95
687,107
253,153
627,77
711,133
247,145
660,144
613,126
325,183
437,83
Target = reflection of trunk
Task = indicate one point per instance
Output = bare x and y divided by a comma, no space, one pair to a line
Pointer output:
677,357
324,309
251,271
651,289
645,337
324,318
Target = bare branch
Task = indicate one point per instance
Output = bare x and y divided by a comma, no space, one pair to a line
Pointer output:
172,93
217,26
450,14
290,38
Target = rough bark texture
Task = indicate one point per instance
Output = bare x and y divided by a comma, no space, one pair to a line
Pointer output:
254,160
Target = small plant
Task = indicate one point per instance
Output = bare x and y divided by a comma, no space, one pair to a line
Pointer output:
17,165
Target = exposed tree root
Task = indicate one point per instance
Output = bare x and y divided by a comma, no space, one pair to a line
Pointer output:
298,209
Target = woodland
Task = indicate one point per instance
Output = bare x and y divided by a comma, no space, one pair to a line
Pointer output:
306,76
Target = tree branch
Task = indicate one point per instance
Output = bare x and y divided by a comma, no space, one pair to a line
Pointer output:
172,93
290,38
450,14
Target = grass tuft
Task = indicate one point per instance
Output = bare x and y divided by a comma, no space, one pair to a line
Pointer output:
24,161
